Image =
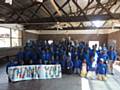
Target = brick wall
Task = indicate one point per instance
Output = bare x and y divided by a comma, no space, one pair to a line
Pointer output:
115,36
81,37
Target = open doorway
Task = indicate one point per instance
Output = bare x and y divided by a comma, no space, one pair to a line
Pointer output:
91,43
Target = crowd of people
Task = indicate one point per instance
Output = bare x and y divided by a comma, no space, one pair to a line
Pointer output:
73,56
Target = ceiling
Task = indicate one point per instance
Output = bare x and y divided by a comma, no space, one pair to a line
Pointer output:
61,14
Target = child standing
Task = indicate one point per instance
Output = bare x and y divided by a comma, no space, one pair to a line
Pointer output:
69,65
63,63
11,64
77,65
112,57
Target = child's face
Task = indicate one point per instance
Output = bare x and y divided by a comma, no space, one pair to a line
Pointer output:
92,59
76,58
84,61
15,62
101,62
31,62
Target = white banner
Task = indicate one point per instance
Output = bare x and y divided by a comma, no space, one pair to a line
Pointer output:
29,72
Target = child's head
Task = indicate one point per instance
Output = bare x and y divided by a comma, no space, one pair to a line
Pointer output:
84,60
16,62
101,60
111,48
92,58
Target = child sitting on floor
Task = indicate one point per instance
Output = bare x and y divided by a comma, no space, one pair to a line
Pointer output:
101,70
91,70
84,69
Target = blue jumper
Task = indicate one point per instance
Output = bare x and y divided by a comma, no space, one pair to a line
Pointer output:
112,55
77,64
103,56
101,69
69,64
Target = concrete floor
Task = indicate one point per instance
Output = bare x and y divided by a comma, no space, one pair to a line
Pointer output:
67,82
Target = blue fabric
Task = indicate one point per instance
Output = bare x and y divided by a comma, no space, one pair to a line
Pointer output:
62,62
10,65
101,68
53,62
20,55
70,64
103,56
112,55
88,61
87,57
27,54
46,56
77,64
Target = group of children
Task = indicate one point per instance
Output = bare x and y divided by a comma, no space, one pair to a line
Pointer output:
73,56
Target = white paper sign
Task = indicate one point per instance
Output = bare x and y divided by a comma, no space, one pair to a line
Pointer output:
30,72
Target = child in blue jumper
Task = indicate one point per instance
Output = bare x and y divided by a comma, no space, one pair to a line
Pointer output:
101,70
63,63
69,65
112,54
77,65
11,63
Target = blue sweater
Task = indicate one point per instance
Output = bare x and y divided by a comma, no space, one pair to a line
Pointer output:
101,68
46,56
10,65
77,64
62,62
112,55
69,64
103,56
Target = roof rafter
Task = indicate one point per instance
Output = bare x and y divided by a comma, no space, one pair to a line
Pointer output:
72,18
